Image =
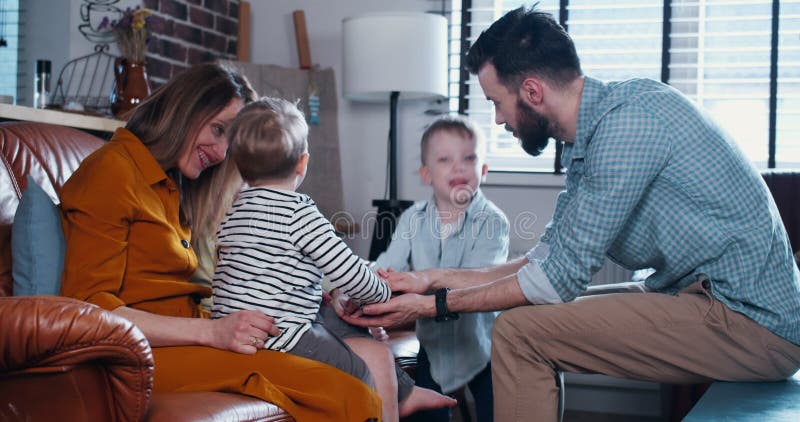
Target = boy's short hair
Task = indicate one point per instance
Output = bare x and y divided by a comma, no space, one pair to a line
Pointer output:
452,123
267,139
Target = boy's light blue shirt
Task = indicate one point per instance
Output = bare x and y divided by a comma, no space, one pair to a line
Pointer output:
458,350
652,182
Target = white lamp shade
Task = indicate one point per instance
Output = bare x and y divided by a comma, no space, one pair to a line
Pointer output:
404,52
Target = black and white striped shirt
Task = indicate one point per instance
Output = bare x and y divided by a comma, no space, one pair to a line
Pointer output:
273,249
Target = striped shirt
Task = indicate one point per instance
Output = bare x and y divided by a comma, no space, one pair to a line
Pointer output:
273,249
654,183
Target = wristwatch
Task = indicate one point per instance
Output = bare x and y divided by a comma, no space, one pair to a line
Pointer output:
442,314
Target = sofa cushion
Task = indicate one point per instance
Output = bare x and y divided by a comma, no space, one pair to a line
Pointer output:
49,153
37,244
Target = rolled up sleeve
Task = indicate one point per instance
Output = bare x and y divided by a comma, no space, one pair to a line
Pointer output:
533,281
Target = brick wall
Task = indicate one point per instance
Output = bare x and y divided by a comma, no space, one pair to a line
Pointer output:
187,32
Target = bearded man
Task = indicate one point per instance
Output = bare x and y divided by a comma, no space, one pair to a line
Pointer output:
652,183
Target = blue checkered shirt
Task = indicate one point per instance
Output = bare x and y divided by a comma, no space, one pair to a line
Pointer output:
653,182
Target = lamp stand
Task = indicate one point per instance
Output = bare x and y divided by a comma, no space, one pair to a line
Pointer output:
388,209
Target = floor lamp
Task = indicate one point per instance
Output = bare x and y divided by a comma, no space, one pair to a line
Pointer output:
393,57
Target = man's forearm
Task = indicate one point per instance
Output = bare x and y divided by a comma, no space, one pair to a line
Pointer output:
495,296
455,278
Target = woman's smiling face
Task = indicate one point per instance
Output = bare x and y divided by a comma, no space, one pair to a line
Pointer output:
211,144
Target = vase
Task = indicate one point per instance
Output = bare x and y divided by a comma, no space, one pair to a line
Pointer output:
132,86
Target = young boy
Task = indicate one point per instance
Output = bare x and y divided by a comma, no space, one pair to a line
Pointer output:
274,247
457,228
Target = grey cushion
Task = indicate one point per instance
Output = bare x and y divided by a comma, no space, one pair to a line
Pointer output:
37,244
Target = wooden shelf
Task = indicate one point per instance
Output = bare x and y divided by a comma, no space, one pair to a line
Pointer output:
79,121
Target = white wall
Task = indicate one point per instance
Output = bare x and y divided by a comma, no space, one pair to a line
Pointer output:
363,127
43,38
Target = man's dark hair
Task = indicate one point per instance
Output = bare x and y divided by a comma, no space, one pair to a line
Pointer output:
526,42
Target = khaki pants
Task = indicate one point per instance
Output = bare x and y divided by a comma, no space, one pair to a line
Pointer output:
687,338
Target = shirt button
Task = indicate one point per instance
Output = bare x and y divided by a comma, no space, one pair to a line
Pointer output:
185,243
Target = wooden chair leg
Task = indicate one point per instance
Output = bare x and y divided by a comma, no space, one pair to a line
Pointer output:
561,395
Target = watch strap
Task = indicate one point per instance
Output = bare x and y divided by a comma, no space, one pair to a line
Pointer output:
442,313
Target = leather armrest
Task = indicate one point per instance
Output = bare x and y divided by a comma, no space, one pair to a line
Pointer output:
43,333
213,406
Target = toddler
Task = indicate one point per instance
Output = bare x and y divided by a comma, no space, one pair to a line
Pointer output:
274,247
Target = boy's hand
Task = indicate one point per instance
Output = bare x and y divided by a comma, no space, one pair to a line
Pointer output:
378,333
342,303
326,298
384,272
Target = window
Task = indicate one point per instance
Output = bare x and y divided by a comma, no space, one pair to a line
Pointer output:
502,150
787,128
740,60
9,33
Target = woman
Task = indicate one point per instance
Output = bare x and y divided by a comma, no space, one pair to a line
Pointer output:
133,213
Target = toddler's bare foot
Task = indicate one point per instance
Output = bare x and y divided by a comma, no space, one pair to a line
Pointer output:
423,398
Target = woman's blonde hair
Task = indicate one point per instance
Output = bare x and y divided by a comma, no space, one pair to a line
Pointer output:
267,139
170,120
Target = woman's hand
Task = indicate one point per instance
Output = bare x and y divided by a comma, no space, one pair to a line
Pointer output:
242,332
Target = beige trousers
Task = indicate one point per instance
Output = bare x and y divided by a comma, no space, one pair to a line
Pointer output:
687,338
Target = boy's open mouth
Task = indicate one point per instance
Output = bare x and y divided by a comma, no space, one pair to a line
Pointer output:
458,182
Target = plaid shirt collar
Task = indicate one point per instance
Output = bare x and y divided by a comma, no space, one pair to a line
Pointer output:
594,92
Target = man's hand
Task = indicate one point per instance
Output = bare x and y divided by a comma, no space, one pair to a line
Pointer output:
397,311
411,282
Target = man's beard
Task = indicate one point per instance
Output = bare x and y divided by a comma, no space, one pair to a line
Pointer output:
533,129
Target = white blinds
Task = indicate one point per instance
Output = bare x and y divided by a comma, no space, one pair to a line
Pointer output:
719,56
9,31
787,142
502,150
617,39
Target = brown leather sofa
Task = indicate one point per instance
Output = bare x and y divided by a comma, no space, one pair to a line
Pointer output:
62,359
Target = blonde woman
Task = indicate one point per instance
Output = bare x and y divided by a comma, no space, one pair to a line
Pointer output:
133,213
